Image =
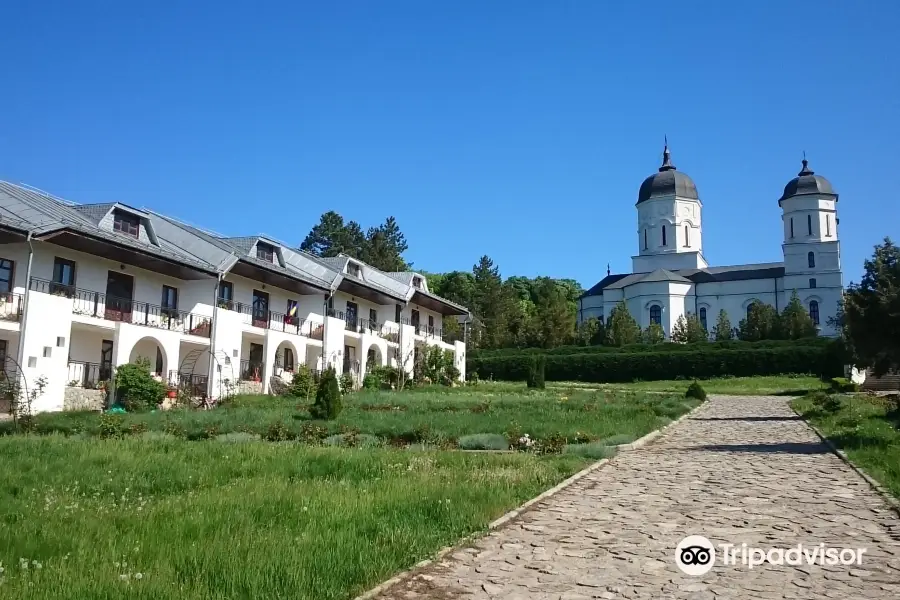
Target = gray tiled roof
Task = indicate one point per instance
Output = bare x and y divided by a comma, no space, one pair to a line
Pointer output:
93,212
244,244
404,277
38,211
707,275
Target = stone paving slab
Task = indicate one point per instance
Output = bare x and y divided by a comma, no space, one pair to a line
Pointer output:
740,470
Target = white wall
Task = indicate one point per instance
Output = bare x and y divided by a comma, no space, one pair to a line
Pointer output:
49,317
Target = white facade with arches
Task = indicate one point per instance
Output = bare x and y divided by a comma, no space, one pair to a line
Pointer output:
671,277
87,288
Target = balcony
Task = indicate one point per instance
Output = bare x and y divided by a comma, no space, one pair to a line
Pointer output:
11,307
252,370
88,375
97,304
275,321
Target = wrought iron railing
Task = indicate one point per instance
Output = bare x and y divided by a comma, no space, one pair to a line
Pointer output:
276,321
252,370
111,308
87,374
11,307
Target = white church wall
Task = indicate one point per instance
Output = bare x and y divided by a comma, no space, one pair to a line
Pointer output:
590,307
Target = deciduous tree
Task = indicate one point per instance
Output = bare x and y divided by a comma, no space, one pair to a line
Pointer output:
621,327
723,331
795,322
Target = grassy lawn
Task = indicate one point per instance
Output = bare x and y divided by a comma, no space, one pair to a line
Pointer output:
787,385
865,427
166,518
434,416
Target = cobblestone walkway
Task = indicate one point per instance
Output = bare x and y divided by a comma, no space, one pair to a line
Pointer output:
741,470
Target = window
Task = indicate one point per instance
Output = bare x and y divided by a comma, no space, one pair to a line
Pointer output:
827,225
814,311
397,314
226,294
809,224
353,269
431,324
126,223
169,300
417,282
63,277
812,283
265,252
645,239
703,318
663,235
656,314
260,313
811,260
6,276
373,317
288,360
293,309
159,362
792,227
687,236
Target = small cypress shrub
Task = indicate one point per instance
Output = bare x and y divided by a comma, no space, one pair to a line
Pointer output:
328,397
695,390
531,380
540,365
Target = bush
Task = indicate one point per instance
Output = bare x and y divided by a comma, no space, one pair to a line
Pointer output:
593,450
278,432
112,426
237,437
843,385
483,441
328,397
136,388
695,390
713,360
303,385
536,372
346,383
381,378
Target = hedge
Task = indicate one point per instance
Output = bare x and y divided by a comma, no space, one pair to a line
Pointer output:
664,347
824,360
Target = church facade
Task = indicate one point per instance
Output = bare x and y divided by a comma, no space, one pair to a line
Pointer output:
670,276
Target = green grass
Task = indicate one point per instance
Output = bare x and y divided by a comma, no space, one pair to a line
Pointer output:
436,416
865,427
786,385
239,520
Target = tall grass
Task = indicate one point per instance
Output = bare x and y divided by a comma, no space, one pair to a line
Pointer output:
166,518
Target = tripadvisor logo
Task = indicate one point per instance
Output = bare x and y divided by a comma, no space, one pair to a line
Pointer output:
696,555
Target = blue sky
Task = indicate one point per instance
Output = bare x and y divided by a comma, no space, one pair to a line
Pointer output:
521,130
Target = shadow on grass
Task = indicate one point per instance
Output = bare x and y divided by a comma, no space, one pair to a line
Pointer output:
792,393
853,440
751,419
777,448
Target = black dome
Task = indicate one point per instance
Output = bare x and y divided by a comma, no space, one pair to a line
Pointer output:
667,182
807,182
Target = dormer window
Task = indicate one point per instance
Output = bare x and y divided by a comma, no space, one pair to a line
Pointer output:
126,223
265,252
417,282
353,269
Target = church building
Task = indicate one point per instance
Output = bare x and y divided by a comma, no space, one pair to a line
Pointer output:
671,277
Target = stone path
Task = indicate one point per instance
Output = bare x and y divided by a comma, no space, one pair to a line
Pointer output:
740,470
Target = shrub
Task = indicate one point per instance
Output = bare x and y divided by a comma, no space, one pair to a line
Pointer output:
825,402
328,397
237,437
483,441
703,361
616,440
136,388
593,450
695,390
303,385
346,383
112,425
381,378
536,372
278,432
552,444
843,385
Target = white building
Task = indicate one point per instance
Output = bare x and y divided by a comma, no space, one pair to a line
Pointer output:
85,288
671,277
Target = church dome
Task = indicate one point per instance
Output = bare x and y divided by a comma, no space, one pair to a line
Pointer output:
807,182
668,182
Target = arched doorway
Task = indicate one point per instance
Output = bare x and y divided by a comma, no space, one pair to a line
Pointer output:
374,357
149,349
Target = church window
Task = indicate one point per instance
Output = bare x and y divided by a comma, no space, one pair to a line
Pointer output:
827,225
663,235
814,311
687,236
656,314
811,260
703,318
812,283
645,239
809,223
792,227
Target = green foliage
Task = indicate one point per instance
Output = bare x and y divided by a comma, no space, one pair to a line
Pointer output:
112,425
382,378
483,441
621,327
591,450
723,331
843,385
382,246
871,311
551,444
689,330
491,303
653,334
671,361
328,397
303,384
589,332
695,390
536,372
137,388
761,323
795,322
278,432
346,383
438,367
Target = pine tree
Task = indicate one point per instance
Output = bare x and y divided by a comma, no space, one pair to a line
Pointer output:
795,321
490,303
653,334
621,328
723,331
328,397
679,330
694,330
761,323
